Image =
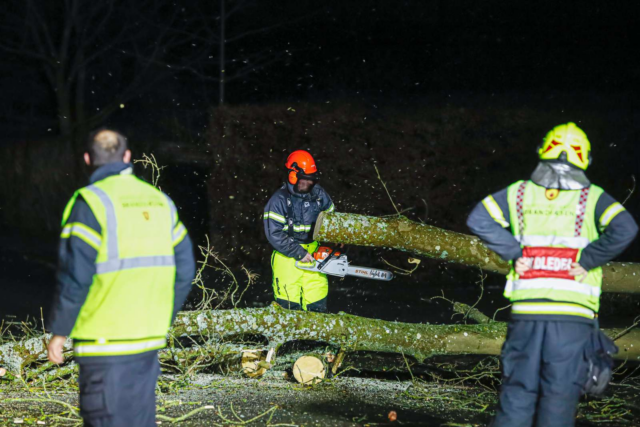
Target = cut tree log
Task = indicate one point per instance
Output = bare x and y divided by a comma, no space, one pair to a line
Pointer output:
400,233
255,363
309,369
278,325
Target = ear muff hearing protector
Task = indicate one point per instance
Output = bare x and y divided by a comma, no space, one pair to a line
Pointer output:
293,177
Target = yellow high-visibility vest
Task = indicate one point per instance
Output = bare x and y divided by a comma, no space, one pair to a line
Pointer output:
130,303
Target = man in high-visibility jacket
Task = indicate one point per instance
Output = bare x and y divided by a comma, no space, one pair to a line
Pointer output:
557,230
125,269
289,218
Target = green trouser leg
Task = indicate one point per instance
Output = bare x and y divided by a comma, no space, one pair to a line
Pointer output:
298,289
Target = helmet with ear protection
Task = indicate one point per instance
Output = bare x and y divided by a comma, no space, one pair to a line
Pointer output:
569,143
301,165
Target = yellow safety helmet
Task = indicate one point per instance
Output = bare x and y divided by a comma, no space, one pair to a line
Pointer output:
570,140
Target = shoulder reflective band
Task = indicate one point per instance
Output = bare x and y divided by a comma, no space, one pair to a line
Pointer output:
178,228
178,233
580,211
610,213
557,285
112,222
552,308
519,210
95,348
174,211
331,208
494,210
83,232
274,216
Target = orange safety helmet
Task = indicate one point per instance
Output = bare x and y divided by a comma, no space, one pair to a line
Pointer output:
301,165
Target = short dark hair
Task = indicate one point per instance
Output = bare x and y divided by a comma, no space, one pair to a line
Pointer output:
106,146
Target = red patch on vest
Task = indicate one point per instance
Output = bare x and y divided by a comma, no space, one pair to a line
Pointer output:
549,262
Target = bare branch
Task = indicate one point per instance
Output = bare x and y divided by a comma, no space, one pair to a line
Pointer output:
254,32
46,34
240,4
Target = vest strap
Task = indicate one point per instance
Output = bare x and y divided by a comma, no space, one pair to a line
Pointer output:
580,211
519,209
290,228
112,222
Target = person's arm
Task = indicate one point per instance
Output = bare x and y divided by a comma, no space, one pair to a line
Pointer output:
490,221
185,266
618,230
327,203
79,243
274,220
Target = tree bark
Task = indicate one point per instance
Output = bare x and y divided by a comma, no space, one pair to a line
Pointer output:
352,333
400,233
356,333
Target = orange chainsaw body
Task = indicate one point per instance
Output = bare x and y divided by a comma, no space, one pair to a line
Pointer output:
323,252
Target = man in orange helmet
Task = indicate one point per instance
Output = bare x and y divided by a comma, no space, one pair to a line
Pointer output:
289,218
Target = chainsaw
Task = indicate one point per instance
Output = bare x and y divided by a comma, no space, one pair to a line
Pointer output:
334,263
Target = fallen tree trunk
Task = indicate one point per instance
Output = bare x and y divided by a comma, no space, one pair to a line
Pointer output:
355,333
277,325
425,240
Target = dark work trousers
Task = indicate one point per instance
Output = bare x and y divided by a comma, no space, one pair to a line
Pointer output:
543,371
119,392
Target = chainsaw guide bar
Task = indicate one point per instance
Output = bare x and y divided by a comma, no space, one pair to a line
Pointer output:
339,266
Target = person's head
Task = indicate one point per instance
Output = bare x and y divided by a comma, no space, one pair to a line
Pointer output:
566,143
303,173
106,146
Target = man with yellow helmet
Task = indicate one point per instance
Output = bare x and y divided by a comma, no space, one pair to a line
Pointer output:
557,230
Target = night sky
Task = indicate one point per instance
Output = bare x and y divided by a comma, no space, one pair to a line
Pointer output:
382,52
151,68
